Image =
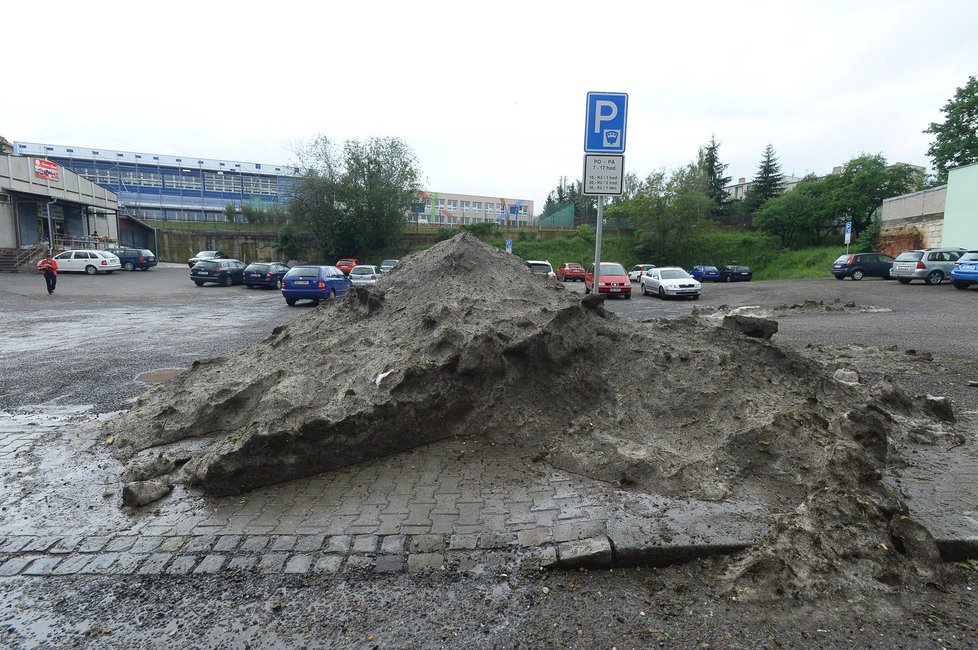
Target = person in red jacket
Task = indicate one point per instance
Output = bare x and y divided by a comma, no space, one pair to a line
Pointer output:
49,268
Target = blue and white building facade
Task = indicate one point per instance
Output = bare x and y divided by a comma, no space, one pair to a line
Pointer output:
181,188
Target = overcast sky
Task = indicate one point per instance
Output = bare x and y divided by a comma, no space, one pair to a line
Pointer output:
490,95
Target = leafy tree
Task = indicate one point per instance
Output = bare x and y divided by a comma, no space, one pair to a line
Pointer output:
585,207
709,161
229,212
287,244
767,183
956,139
354,198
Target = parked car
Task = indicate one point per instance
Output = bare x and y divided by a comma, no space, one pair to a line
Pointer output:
614,280
860,265
87,261
206,255
134,258
638,270
365,274
670,281
703,273
265,274
965,271
570,271
388,265
346,265
316,283
541,267
735,273
218,271
932,265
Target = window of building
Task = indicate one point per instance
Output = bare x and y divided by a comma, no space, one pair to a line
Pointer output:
182,182
259,185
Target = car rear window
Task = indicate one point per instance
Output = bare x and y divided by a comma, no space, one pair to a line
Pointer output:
207,264
910,256
842,259
969,257
362,270
146,252
388,263
540,268
258,267
303,272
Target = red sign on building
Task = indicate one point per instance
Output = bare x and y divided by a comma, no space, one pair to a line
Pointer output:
47,170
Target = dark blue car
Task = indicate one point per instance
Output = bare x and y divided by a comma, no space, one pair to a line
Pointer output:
265,274
965,271
703,273
314,283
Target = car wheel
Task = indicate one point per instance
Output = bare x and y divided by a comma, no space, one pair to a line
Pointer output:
129,266
727,279
332,294
199,283
960,285
934,277
228,281
586,290
662,294
696,296
91,270
278,284
290,302
644,290
857,274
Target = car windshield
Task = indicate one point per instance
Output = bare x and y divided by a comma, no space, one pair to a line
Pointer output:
362,270
674,274
610,268
303,272
842,259
910,256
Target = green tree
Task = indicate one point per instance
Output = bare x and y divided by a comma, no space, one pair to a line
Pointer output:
229,212
956,139
709,160
287,244
354,199
766,184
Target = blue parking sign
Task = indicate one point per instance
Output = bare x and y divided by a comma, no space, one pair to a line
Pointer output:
607,115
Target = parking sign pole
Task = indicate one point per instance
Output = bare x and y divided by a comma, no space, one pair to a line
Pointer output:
597,247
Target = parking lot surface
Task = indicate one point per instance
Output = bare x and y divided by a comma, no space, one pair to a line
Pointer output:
85,352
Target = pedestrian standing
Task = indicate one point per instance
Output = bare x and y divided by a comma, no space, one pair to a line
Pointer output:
49,268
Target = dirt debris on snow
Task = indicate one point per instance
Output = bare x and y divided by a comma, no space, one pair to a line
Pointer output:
463,340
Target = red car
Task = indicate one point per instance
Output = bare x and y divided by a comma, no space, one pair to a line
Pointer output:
346,265
614,280
570,271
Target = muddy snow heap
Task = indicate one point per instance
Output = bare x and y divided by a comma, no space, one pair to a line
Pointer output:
464,340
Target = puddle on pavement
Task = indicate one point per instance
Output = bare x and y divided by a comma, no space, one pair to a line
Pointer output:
160,376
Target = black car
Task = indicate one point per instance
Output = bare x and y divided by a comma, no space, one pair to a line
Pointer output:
226,272
736,273
861,265
206,255
265,274
135,258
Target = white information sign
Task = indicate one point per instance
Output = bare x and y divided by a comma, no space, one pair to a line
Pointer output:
603,175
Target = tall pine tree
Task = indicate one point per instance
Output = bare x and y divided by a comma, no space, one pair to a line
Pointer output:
766,184
712,168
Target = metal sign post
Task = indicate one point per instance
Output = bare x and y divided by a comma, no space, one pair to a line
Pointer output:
848,235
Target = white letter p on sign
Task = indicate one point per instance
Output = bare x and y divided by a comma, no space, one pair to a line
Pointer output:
603,115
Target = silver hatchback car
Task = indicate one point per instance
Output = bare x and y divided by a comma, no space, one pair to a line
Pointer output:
932,265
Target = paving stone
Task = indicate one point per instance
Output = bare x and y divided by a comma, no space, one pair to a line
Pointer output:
72,565
243,562
120,544
101,563
155,563
533,537
365,544
393,544
93,544
299,564
329,564
283,543
40,544
15,544
42,566
199,543
543,557
211,563
593,552
494,540
272,562
15,565
65,545
182,565
463,542
417,562
359,562
172,544
146,545
578,530
226,543
339,544
389,563
427,543
309,543
441,524
255,543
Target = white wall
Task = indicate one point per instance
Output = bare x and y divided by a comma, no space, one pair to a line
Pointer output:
961,208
